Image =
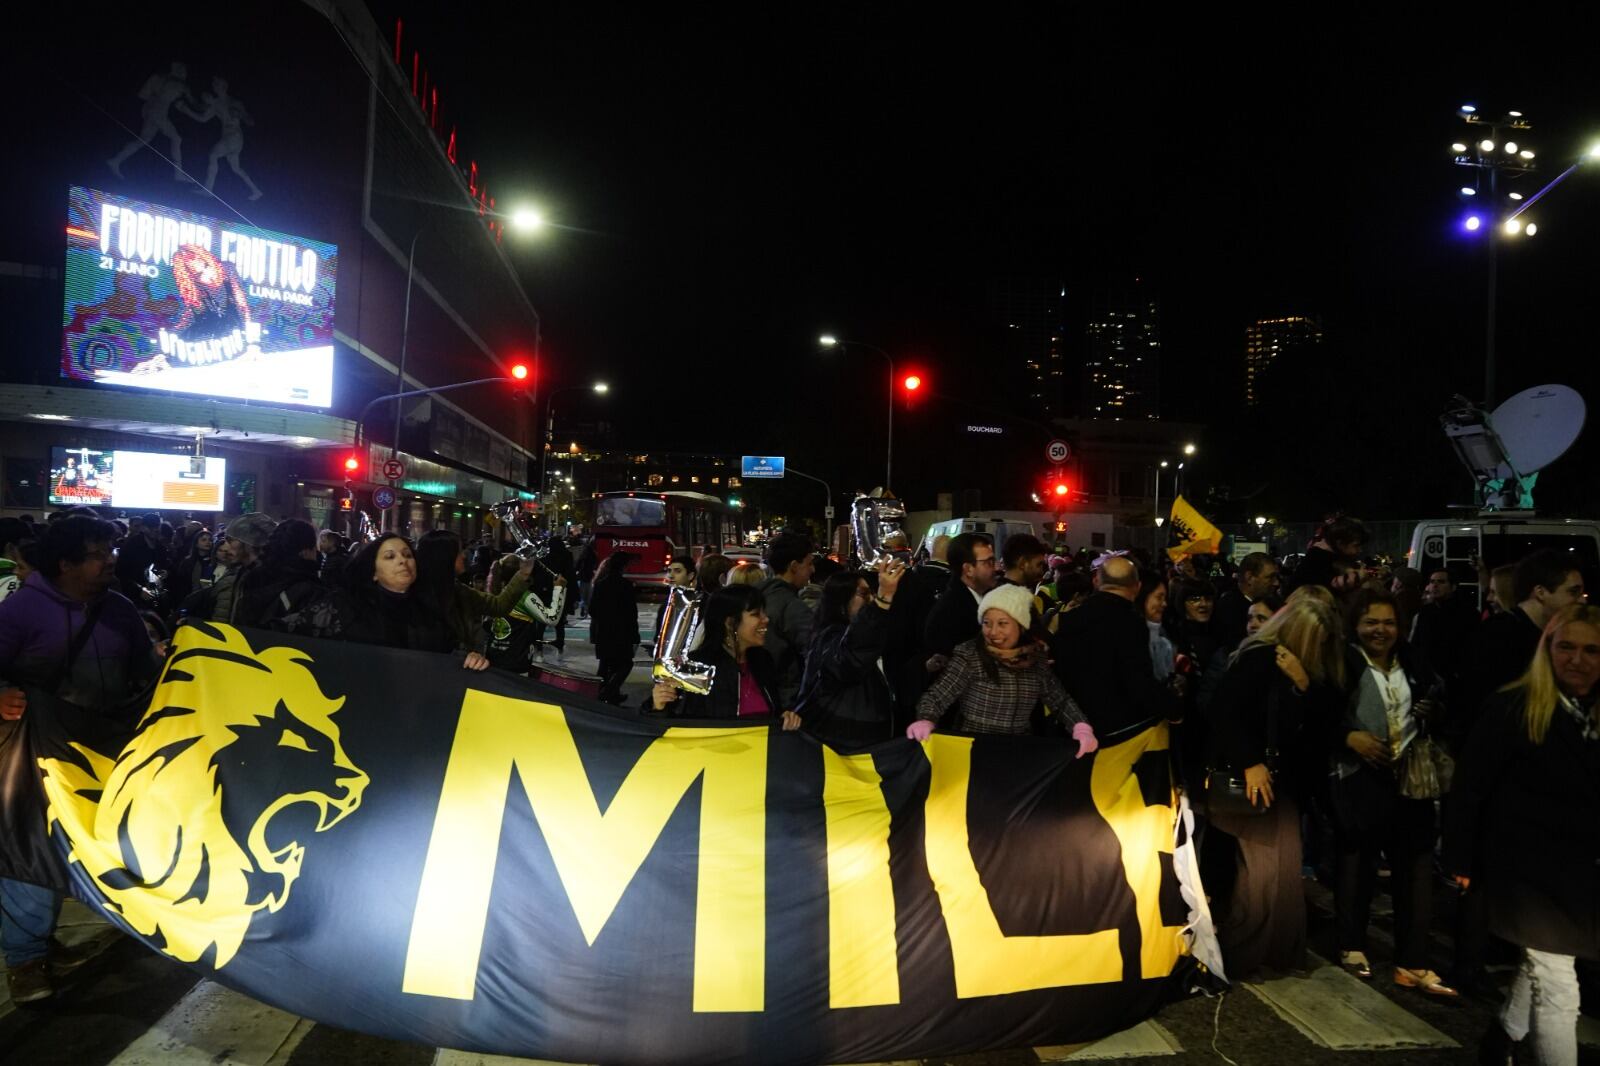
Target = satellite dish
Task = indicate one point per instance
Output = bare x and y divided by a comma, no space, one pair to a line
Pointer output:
1537,426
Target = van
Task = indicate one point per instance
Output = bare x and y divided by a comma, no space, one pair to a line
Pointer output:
1499,538
998,530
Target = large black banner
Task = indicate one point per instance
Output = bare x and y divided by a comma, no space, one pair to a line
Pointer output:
382,841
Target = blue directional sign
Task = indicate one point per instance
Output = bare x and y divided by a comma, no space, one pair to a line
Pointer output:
761,466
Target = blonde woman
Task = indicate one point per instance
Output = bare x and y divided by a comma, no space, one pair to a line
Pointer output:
1521,828
1270,719
746,573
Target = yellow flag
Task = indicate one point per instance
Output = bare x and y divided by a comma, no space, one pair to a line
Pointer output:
1190,533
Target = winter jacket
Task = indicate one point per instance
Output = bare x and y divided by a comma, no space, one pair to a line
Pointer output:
953,619
1254,692
37,626
469,607
844,694
723,700
374,615
1102,654
1001,701
788,635
272,590
1520,821
613,615
1498,652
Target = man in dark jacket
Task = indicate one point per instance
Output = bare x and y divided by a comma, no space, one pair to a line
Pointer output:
789,619
1102,655
140,550
903,656
66,632
1444,625
1257,578
954,617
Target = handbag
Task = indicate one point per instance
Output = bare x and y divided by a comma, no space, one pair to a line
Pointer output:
1427,770
1226,792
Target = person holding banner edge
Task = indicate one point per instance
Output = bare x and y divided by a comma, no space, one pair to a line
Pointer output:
1268,722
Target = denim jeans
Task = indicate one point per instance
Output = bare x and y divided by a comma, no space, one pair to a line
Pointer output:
1544,1001
27,919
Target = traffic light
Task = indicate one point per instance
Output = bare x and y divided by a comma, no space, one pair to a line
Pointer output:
346,504
519,371
1059,490
351,465
912,383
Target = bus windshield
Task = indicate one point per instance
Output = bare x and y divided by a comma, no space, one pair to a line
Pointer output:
630,512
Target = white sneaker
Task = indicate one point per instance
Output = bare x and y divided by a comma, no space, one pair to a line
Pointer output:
538,654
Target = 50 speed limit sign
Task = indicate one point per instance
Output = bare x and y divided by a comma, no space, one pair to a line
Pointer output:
1059,451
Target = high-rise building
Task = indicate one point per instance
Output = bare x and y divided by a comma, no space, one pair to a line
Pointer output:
1267,342
1121,377
1030,314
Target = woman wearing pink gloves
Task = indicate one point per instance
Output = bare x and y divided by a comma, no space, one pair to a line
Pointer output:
998,678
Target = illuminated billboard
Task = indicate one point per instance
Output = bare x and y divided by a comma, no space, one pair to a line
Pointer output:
159,298
146,481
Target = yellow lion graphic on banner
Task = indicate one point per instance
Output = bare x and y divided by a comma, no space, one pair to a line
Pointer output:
155,828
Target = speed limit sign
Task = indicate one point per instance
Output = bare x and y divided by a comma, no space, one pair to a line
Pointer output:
1059,451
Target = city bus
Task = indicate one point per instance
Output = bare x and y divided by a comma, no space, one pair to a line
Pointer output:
658,527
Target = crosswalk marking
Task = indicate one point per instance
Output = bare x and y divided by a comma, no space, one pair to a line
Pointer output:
212,1026
1336,1010
1147,1039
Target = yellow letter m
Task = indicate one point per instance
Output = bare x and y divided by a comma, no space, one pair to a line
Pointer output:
596,853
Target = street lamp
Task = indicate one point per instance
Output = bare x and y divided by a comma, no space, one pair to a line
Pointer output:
524,220
828,340
1188,449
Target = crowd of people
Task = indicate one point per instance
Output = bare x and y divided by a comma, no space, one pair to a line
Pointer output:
1340,721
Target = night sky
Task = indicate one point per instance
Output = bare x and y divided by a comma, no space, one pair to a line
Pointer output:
733,182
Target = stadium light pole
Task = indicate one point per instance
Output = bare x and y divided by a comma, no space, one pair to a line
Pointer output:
1493,148
828,340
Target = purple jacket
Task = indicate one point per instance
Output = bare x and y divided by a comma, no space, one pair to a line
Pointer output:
37,625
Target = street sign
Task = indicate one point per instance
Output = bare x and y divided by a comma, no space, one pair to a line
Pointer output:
1059,451
1241,548
984,429
761,466
394,469
827,513
383,497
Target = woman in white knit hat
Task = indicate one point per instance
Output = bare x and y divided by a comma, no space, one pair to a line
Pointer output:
998,678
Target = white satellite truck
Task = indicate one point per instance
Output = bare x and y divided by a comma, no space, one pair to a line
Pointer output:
1505,450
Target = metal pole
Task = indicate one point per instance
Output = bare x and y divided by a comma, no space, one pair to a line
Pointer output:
829,503
888,462
405,332
544,451
1158,512
1489,330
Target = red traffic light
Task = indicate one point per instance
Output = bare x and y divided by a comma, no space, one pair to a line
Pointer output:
913,383
519,371
351,464
1060,488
